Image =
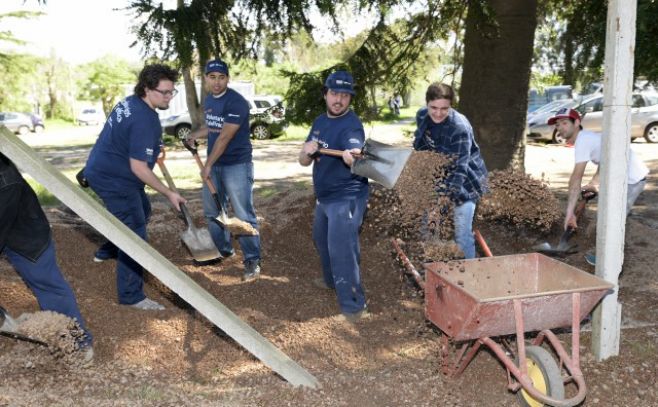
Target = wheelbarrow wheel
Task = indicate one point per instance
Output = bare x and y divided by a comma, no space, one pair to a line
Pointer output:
544,374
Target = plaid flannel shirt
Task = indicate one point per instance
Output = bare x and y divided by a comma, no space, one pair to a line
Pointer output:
467,179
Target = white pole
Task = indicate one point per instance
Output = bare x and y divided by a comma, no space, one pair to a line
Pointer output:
611,230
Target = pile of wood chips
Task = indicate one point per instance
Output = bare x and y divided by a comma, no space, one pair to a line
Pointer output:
520,201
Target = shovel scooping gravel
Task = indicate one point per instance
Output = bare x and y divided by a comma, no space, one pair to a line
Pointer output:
9,328
198,241
236,226
563,247
379,162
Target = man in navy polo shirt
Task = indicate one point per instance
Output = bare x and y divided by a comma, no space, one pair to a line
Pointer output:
121,163
341,196
444,130
229,164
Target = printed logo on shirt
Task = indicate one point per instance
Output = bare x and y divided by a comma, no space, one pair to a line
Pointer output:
214,121
354,141
233,115
316,132
149,152
322,143
122,110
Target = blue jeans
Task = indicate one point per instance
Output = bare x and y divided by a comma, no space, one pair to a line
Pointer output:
336,236
133,209
46,281
463,219
234,184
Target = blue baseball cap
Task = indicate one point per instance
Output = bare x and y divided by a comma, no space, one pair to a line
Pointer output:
340,81
217,65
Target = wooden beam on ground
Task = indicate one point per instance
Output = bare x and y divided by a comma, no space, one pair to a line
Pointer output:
97,216
611,218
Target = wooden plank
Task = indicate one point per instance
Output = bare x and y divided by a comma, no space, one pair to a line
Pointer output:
97,216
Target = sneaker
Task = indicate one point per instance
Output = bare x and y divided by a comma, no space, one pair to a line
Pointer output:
226,255
320,283
148,304
107,251
86,354
354,317
251,270
590,259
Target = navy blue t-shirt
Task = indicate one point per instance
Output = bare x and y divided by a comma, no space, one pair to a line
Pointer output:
332,178
133,130
232,108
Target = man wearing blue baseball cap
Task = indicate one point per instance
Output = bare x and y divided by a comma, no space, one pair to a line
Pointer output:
342,197
229,165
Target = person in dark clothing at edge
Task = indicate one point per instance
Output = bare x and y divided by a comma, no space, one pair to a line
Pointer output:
442,129
341,196
121,164
25,238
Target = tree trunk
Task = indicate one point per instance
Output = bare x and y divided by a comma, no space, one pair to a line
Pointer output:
191,98
496,77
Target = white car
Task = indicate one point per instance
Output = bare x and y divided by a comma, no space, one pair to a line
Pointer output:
265,122
644,118
90,116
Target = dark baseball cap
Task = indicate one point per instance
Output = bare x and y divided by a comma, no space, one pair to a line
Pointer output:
340,81
216,65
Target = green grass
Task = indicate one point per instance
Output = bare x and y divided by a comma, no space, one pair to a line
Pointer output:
58,124
294,132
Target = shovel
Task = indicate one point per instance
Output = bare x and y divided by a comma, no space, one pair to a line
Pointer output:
9,328
379,162
198,241
563,247
236,226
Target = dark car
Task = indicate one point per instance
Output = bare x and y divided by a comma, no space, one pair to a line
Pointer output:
264,123
22,123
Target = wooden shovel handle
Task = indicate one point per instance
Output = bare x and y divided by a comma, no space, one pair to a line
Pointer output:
334,153
211,187
170,182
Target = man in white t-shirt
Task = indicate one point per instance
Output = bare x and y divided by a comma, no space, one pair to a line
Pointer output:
587,147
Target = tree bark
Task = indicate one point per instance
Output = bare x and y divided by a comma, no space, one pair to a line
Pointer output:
496,77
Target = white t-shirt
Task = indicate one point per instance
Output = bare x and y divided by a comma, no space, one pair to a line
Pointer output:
588,148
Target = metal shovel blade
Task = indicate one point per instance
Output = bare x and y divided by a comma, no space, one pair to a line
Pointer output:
381,162
9,328
198,241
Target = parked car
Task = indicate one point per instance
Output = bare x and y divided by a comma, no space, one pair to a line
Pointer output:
549,94
541,115
90,116
264,122
22,123
644,118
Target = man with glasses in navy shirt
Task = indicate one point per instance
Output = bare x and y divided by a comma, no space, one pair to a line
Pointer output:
121,164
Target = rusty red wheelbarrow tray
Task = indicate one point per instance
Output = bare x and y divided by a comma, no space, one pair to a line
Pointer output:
471,301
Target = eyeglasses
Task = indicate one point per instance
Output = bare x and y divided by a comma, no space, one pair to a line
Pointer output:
167,92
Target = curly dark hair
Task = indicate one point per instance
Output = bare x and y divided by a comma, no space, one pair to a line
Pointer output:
151,75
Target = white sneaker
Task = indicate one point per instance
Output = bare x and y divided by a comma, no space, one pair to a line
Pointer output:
148,304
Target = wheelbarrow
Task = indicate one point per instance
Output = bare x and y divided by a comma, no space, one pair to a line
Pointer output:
473,301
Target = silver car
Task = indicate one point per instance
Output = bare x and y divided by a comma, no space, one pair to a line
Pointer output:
644,118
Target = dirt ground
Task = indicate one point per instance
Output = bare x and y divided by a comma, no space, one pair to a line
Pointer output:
176,357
